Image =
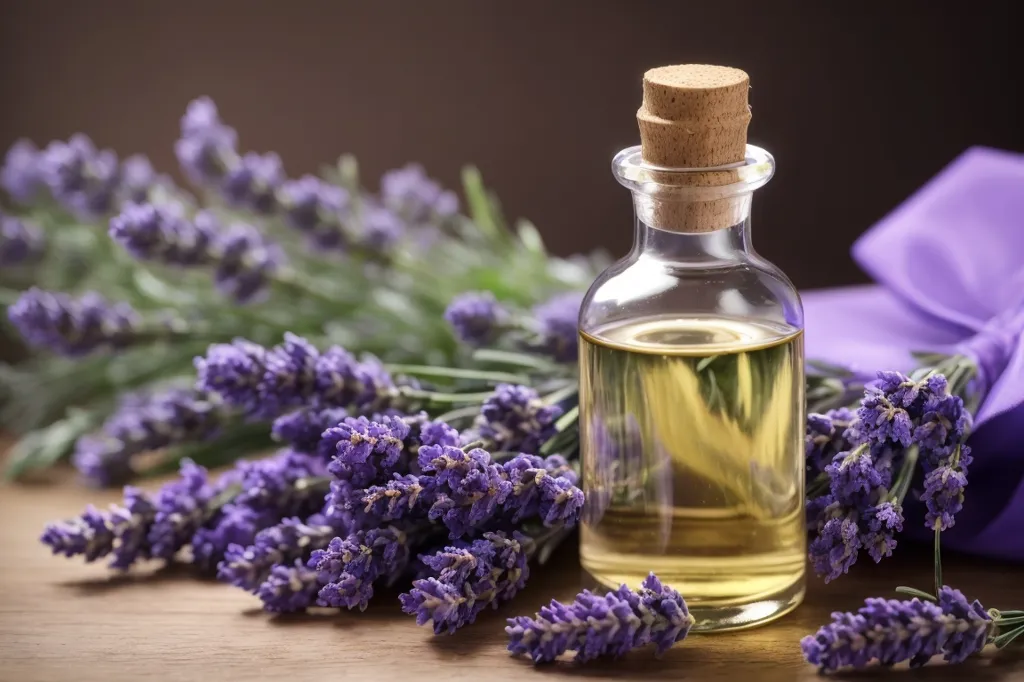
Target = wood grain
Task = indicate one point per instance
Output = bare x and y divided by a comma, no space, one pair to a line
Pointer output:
60,620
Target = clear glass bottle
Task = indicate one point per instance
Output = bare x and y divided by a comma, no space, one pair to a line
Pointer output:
692,403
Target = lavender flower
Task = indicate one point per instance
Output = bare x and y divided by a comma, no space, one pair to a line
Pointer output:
516,419
181,507
365,450
232,524
349,567
289,588
142,423
253,182
883,522
160,233
263,382
20,241
289,483
302,429
381,230
543,488
416,197
245,259
137,179
826,438
83,179
250,566
556,324
401,497
944,492
468,488
120,532
316,208
73,326
469,578
612,625
22,173
476,317
890,631
206,149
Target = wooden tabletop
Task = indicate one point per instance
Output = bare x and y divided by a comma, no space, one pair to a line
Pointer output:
63,620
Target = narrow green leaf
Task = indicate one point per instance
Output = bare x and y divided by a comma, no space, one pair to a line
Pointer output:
1006,638
530,238
913,592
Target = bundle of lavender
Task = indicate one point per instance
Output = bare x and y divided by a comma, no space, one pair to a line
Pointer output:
116,279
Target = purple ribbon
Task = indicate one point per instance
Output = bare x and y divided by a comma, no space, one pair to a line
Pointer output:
949,263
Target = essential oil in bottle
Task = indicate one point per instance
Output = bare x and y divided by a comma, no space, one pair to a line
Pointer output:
691,364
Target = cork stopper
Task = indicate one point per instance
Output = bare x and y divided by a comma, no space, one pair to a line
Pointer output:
695,116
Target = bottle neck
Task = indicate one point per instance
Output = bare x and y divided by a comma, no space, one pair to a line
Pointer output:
726,245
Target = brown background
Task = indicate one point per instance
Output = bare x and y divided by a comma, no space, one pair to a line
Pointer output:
859,102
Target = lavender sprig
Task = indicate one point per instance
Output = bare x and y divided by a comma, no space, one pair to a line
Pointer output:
121,531
890,631
83,179
265,382
142,423
515,419
206,149
20,241
349,567
250,566
595,626
476,317
555,322
289,588
418,199
22,175
74,326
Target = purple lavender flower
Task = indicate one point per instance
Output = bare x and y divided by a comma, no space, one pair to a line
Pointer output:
349,567
944,493
855,477
596,626
250,566
73,326
289,482
206,149
515,419
181,507
883,414
538,490
381,230
233,524
476,317
160,233
365,450
401,497
316,208
418,199
289,588
83,179
883,522
137,178
20,241
556,325
944,424
468,489
836,547
120,532
890,631
826,438
253,182
467,579
22,173
265,382
143,423
302,429
439,433
245,259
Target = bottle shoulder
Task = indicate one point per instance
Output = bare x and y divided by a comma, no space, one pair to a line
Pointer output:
747,287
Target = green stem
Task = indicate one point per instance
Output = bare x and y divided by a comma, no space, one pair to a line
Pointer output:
568,418
905,475
457,373
442,398
560,395
512,358
459,413
938,560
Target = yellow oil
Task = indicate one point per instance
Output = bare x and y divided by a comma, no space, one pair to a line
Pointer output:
692,449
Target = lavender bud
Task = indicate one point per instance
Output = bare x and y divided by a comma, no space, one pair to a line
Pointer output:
73,326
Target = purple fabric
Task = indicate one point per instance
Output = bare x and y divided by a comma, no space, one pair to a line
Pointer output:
949,263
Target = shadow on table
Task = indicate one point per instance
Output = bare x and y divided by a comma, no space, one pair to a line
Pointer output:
120,581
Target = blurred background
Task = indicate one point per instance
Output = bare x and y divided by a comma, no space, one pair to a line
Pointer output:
860,103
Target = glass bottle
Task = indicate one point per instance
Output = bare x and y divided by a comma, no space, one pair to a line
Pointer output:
692,401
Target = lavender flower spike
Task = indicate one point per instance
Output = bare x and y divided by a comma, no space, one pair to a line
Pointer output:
611,625
120,532
467,580
22,174
181,507
292,539
890,631
206,149
556,325
349,567
476,317
162,234
409,192
20,241
73,326
83,179
254,181
289,588
245,259
516,419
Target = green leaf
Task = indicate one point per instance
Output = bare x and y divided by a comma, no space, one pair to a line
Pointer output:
44,447
913,592
480,208
530,238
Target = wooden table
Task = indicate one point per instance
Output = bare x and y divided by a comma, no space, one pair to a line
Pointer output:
62,620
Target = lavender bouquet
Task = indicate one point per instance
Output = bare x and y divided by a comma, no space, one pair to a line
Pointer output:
116,278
